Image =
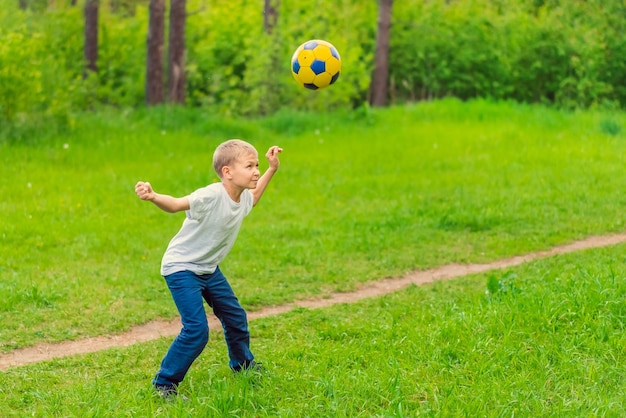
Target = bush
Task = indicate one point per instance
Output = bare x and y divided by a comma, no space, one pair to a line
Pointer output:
571,54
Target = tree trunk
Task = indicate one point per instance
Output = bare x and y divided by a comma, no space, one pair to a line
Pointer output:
154,64
176,74
267,89
381,66
23,4
270,15
91,37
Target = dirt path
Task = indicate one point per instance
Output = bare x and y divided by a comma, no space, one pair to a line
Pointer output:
156,329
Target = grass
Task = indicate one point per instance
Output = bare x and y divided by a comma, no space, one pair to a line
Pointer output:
547,340
358,197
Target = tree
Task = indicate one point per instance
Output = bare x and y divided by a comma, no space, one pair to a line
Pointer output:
91,37
380,78
154,64
270,15
176,73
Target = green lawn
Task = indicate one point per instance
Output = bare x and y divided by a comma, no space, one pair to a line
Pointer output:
359,197
547,340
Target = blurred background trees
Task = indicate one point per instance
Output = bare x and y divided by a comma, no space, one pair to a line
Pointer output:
232,57
154,60
176,51
91,36
380,77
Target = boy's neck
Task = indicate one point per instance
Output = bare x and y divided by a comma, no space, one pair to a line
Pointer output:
233,191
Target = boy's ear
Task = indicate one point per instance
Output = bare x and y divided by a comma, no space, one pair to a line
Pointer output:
225,171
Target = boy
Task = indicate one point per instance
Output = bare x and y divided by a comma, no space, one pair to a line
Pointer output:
190,264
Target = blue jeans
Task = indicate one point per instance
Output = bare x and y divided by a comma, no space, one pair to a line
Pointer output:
189,291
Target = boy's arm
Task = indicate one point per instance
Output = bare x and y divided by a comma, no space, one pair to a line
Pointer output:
272,157
162,201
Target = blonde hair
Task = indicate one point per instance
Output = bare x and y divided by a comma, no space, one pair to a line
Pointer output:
228,152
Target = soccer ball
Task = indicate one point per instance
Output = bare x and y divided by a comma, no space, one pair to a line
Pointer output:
316,64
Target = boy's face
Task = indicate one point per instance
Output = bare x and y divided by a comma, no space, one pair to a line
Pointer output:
244,172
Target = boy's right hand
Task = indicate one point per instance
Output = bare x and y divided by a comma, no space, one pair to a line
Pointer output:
144,191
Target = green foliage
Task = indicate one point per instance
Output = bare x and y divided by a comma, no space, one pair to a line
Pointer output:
236,68
551,52
567,53
121,61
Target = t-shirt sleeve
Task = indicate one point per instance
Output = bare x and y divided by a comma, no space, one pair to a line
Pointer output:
201,201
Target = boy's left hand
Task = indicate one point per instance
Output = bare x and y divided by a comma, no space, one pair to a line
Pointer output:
272,156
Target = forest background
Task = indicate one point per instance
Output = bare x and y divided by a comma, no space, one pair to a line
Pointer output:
567,53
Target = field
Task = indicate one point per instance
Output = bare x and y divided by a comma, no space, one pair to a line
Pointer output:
359,197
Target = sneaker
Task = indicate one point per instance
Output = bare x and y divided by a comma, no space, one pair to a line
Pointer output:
252,366
169,392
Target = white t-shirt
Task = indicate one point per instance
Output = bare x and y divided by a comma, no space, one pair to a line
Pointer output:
208,232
